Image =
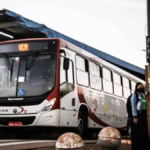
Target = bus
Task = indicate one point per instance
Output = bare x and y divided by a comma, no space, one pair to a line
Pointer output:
49,83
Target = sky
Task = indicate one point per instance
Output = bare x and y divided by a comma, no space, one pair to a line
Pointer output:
117,27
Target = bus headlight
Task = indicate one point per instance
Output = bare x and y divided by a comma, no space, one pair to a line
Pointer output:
48,106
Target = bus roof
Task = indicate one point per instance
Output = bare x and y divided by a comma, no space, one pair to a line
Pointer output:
22,28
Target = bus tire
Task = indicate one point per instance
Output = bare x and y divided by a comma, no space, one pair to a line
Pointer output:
82,124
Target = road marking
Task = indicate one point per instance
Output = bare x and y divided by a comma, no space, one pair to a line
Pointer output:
9,140
21,142
27,142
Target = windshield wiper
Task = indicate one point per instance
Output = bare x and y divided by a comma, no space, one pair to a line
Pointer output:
31,62
8,64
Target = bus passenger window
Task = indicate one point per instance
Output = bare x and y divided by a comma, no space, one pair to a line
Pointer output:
133,86
126,87
82,71
80,63
107,81
117,84
95,79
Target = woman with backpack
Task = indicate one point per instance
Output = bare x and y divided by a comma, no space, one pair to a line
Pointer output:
139,128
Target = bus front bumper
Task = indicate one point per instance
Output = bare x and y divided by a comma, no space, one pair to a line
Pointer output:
50,118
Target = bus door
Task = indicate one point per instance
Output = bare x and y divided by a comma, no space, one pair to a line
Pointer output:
67,93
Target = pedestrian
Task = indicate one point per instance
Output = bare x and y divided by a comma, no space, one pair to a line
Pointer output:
139,127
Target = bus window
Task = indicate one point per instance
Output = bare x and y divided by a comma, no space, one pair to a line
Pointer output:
126,87
133,86
70,73
8,86
39,78
117,84
95,80
66,76
107,81
62,71
82,71
80,63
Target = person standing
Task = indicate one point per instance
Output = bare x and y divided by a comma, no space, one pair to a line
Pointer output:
139,128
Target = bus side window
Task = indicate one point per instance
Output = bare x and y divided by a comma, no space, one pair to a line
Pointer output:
107,81
126,87
95,78
82,71
70,73
117,84
66,75
133,86
62,71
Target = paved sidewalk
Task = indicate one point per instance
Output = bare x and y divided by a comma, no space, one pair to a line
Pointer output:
91,147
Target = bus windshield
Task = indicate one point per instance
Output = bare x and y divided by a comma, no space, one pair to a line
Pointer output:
29,75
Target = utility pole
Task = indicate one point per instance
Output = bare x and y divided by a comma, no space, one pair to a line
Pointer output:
147,67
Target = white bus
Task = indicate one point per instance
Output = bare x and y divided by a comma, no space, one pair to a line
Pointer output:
52,84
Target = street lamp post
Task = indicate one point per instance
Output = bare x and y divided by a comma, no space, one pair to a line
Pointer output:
147,67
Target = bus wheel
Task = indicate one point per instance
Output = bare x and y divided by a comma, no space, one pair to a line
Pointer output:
82,124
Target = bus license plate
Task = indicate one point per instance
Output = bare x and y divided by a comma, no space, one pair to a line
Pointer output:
15,124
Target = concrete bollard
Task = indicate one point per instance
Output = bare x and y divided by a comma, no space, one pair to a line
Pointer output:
109,138
69,140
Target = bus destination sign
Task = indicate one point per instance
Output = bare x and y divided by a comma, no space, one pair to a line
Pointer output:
23,47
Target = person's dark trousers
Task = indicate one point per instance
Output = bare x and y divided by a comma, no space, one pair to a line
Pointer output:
143,131
134,136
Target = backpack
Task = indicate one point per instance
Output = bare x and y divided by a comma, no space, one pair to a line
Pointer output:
128,106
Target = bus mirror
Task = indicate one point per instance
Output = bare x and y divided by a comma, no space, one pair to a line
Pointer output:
66,64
